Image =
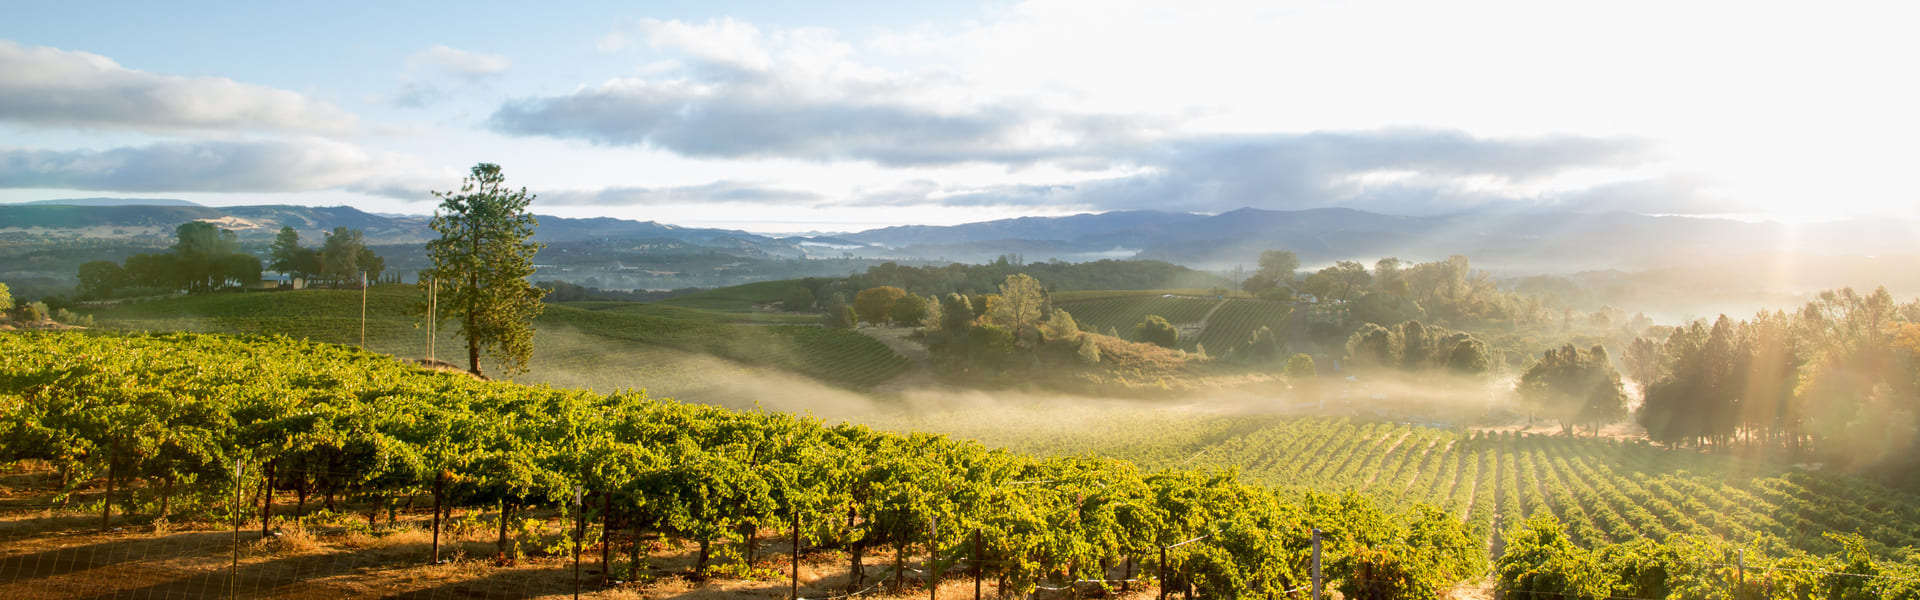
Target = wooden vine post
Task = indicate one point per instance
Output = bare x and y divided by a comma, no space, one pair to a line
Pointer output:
606,537
976,564
793,582
439,482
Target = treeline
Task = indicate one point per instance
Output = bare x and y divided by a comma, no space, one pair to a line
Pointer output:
340,259
203,258
1837,380
180,412
984,279
1414,347
562,291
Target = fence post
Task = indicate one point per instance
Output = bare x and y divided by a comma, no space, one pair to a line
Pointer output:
106,513
606,537
233,576
1740,574
579,534
1316,566
794,581
438,481
976,564
266,502
933,561
1163,573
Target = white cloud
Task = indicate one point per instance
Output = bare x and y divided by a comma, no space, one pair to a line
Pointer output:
721,42
285,165
50,87
459,62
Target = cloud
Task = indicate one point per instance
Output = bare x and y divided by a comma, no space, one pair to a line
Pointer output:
742,93
472,65
1405,171
220,166
719,192
49,87
730,90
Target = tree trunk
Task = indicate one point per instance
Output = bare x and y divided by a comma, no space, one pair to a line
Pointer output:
854,572
633,550
473,343
899,566
500,544
106,508
700,565
747,534
300,492
166,496
266,510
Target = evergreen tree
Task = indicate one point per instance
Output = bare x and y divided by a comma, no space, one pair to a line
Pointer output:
483,258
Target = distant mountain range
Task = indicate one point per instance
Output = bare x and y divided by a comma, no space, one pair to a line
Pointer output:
1514,242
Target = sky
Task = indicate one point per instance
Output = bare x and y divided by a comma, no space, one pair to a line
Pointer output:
791,117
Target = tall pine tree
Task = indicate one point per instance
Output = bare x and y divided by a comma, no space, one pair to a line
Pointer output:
482,261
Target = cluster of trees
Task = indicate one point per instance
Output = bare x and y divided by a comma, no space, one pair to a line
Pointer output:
1575,386
366,430
888,304
339,260
1448,292
972,280
1838,378
1414,347
986,335
203,258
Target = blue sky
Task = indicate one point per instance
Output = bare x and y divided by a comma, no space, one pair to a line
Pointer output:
782,116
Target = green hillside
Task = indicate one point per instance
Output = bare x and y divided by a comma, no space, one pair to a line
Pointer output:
733,299
602,345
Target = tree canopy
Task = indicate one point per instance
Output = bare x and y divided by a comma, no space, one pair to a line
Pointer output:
481,263
1575,386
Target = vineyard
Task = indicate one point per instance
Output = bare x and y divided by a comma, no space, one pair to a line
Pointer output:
206,429
1228,323
1236,321
665,336
1603,491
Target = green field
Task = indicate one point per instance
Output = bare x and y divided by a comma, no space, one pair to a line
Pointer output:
734,299
601,345
1605,491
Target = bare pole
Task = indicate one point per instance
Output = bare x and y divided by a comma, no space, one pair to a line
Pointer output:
433,315
933,561
363,310
976,564
1316,566
793,582
438,482
233,576
580,532
606,537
